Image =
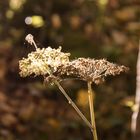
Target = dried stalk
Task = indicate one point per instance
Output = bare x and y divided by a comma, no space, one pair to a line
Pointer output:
137,98
92,114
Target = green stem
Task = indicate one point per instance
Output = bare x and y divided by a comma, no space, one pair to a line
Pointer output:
92,114
73,105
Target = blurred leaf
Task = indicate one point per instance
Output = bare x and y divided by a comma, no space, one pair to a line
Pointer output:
26,113
53,122
82,98
56,21
16,4
37,21
75,21
126,14
8,120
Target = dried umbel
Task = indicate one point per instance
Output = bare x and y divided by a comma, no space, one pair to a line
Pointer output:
90,69
43,61
48,61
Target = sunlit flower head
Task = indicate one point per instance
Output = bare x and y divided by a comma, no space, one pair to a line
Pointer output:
43,61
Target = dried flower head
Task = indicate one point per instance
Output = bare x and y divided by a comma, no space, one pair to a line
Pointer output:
29,38
43,61
54,64
90,69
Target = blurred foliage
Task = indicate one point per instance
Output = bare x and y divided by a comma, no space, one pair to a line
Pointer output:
89,28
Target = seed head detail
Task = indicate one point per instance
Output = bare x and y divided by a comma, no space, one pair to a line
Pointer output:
55,64
90,69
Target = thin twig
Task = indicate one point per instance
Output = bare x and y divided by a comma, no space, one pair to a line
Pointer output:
91,105
35,45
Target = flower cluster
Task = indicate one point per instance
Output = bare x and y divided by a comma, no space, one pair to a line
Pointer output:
43,61
54,64
90,69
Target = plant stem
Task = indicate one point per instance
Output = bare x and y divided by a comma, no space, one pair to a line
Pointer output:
34,44
92,114
73,105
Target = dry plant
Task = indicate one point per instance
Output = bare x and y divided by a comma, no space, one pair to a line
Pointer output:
54,65
136,107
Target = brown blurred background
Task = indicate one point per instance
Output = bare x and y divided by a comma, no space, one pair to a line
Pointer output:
85,28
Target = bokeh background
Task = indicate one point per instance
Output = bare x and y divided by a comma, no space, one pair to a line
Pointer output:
85,28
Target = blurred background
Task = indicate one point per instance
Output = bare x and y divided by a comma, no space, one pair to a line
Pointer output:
85,28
